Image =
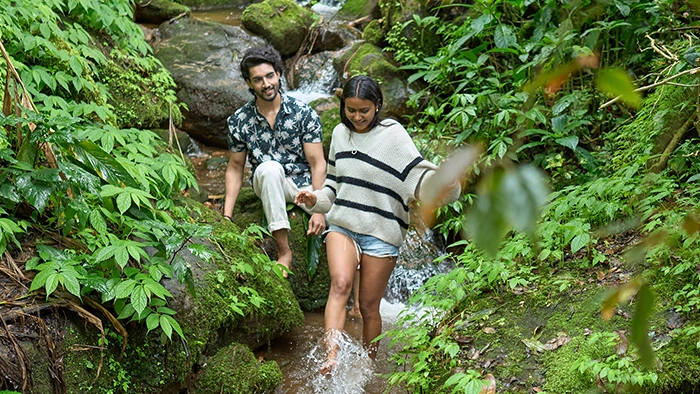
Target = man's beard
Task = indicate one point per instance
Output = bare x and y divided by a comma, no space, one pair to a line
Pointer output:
262,95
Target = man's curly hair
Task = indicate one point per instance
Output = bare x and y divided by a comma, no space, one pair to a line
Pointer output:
259,55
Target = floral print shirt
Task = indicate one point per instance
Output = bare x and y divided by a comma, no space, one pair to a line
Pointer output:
296,123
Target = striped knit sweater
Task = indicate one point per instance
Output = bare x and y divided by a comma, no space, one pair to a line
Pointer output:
370,184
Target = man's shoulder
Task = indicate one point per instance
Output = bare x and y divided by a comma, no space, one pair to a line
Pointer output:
294,104
244,112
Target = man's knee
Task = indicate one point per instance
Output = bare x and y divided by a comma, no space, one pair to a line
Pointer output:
269,170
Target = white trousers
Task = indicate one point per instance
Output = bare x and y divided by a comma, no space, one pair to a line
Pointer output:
275,190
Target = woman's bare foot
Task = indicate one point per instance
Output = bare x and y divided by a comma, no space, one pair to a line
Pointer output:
328,366
331,339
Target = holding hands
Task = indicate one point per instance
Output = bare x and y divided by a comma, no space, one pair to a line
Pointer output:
317,223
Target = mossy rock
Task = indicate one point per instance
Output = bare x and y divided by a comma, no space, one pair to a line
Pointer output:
135,103
234,370
282,22
368,59
214,4
310,293
209,320
158,11
373,33
354,9
328,110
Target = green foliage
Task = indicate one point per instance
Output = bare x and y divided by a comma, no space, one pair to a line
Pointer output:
69,170
618,368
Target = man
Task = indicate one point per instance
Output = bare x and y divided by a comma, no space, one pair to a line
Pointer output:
281,137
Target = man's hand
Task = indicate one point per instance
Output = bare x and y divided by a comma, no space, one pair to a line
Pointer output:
317,224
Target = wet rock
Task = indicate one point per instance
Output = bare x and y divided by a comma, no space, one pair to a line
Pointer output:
203,59
234,370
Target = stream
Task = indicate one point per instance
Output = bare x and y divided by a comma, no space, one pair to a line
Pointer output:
300,353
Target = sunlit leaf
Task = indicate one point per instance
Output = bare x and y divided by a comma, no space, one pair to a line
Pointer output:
139,299
617,83
152,321
451,171
166,326
619,295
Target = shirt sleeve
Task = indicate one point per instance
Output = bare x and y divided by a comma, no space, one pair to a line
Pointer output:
236,139
312,131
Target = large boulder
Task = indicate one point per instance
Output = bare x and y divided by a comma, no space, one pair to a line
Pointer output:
203,59
282,22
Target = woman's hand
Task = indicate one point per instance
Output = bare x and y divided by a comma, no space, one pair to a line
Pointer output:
305,197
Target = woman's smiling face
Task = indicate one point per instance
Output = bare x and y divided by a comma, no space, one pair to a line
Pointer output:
360,112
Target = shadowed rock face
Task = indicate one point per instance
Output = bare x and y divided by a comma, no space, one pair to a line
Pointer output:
203,59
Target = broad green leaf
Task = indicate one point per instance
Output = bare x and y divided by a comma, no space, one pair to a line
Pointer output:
313,249
36,192
152,321
40,279
71,283
121,256
76,66
526,192
139,299
126,312
98,222
580,241
165,325
125,288
52,282
166,311
174,324
570,142
617,83
640,324
99,162
504,37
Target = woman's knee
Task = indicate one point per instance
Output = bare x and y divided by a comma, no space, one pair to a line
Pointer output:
369,309
341,285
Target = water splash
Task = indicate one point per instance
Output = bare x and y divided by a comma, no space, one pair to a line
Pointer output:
353,370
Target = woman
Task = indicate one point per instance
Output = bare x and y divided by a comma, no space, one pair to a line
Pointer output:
374,174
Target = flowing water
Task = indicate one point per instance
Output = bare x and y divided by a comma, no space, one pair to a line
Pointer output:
301,352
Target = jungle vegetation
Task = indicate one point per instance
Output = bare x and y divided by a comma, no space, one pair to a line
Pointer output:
597,103
581,120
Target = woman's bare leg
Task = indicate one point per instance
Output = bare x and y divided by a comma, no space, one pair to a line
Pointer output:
374,276
355,310
342,264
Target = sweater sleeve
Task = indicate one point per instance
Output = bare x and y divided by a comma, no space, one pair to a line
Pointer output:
326,195
446,196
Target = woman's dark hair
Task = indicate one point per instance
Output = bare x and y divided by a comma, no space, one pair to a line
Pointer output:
366,88
258,55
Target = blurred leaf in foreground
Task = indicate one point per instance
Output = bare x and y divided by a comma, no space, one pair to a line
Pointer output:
617,83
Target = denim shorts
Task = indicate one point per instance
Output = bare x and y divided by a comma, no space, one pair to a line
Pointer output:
367,244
